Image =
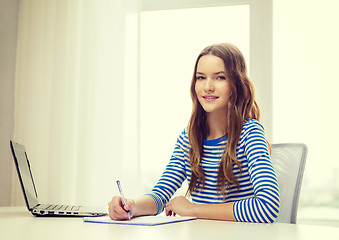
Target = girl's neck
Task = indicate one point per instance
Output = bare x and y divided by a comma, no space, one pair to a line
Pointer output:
216,126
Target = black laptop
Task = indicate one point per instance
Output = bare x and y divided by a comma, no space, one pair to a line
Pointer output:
30,193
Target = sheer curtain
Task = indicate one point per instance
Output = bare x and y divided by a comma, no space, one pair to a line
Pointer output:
76,98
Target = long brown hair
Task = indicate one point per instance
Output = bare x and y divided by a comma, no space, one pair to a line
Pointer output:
241,106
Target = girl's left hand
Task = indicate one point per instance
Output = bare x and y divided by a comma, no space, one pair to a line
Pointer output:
179,205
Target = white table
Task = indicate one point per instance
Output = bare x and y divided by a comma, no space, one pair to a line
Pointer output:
18,223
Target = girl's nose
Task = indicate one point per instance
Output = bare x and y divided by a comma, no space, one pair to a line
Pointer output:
209,86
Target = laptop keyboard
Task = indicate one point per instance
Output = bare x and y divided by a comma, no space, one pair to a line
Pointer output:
63,207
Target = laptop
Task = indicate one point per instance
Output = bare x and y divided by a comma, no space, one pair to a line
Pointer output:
23,168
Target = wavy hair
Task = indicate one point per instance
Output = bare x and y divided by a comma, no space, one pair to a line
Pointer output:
241,106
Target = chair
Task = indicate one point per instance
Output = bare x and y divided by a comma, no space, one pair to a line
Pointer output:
289,163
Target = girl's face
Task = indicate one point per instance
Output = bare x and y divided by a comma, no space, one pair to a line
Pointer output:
211,87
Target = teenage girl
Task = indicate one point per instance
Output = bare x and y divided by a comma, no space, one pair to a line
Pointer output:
222,153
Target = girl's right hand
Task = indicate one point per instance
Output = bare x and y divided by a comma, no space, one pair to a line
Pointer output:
118,211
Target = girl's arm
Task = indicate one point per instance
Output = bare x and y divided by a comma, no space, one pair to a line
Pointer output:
173,176
154,202
265,205
183,207
262,207
144,206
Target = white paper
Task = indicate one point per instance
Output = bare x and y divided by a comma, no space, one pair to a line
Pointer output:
143,221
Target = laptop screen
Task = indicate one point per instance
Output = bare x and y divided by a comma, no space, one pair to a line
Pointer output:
25,174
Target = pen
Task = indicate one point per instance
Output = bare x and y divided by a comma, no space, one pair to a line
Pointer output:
123,197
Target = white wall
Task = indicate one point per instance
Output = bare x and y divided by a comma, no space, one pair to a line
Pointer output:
76,65
8,34
306,83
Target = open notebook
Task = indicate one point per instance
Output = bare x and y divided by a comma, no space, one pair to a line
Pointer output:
142,221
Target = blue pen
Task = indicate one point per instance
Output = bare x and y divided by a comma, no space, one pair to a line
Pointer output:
123,197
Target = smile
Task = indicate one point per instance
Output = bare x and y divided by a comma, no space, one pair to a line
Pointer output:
210,98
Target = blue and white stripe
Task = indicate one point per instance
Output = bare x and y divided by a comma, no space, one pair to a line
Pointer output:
258,198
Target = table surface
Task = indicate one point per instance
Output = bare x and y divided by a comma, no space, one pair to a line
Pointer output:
18,223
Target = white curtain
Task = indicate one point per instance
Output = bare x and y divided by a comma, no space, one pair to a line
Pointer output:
76,98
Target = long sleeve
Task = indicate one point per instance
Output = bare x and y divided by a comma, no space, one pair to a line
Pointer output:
256,200
172,177
264,206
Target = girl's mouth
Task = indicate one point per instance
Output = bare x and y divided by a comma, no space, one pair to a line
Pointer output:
210,98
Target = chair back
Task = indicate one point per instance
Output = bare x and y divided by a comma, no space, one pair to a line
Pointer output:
289,162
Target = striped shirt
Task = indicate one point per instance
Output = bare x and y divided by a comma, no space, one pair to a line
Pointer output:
257,199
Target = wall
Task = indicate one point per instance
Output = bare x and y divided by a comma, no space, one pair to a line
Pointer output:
8,35
75,98
305,89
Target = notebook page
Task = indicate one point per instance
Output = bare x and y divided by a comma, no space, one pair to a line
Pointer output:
142,221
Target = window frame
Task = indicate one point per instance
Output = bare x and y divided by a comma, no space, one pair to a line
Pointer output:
261,44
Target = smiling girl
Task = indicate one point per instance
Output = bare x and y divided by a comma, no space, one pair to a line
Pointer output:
222,153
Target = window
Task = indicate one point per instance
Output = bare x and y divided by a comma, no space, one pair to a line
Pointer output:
170,41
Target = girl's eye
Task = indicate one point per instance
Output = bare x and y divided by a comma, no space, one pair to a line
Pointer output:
200,77
221,77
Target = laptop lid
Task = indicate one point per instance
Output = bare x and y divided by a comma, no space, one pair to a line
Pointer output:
25,175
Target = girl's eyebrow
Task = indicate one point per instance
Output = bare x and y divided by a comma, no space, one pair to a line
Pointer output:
216,73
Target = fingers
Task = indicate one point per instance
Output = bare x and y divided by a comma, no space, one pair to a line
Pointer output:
129,204
169,209
170,212
178,205
117,211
